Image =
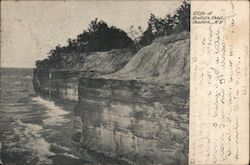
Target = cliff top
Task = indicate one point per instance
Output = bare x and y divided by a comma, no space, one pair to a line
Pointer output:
165,61
97,62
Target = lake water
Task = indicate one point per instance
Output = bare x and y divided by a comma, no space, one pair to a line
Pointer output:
34,130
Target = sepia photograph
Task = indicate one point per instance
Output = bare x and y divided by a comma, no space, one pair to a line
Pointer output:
95,82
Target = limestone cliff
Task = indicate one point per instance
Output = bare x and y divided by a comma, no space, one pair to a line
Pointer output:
140,113
63,83
165,61
132,107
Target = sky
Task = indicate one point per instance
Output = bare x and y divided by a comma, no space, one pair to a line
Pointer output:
30,29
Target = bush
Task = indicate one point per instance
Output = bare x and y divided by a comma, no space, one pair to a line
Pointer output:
158,27
101,37
98,37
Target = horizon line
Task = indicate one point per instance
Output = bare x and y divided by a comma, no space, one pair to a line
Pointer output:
13,67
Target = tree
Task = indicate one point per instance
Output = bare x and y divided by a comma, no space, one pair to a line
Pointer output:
183,17
135,34
147,37
170,24
157,27
101,37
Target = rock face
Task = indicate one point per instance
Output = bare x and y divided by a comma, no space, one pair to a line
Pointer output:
58,84
136,111
140,114
133,121
165,61
63,83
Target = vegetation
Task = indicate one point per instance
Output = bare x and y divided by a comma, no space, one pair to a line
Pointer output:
157,27
101,37
135,33
98,37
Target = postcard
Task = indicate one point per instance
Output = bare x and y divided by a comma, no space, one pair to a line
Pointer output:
124,82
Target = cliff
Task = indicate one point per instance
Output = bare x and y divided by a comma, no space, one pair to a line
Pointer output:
63,83
165,61
140,113
136,122
132,107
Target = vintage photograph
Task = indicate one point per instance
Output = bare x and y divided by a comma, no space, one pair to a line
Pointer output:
95,82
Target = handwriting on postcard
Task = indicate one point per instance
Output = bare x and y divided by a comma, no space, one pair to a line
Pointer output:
219,89
202,17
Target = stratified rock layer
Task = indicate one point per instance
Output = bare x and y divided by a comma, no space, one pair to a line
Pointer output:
63,83
140,114
165,61
136,122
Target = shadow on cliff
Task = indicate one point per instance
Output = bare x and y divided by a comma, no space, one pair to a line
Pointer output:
140,112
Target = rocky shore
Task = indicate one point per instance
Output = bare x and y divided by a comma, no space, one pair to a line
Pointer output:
137,111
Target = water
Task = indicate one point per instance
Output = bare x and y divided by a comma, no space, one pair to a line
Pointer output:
34,130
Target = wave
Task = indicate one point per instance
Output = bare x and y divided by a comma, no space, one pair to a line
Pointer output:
28,77
61,147
70,155
66,150
17,83
55,113
31,139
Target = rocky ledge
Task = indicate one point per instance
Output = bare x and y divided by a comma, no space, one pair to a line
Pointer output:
133,121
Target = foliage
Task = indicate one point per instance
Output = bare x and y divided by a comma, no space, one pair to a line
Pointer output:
135,33
157,27
101,37
98,37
